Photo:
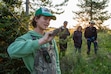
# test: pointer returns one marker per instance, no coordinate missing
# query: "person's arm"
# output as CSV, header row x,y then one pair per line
x,y
68,33
74,35
22,47
85,33
95,33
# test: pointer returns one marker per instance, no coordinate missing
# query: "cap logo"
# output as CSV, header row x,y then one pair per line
x,y
45,10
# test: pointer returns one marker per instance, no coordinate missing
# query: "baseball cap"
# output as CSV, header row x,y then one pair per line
x,y
65,22
44,12
91,22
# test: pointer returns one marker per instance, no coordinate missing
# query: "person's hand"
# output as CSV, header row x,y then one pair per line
x,y
46,38
95,41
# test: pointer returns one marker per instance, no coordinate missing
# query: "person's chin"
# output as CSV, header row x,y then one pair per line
x,y
45,28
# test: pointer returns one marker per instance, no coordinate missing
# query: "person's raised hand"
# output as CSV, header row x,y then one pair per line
x,y
46,38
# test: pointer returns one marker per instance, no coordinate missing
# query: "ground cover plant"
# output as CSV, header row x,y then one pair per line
x,y
74,63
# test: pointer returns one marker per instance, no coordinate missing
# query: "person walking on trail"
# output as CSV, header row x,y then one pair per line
x,y
91,37
37,48
63,38
77,39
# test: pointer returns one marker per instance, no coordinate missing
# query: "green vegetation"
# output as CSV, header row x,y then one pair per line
x,y
74,63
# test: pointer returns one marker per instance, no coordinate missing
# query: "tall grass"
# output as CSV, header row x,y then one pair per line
x,y
75,63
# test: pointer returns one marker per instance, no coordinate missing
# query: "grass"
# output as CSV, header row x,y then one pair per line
x,y
74,63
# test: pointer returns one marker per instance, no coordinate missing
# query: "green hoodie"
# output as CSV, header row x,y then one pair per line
x,y
24,47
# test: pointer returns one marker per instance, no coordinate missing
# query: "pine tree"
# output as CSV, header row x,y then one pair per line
x,y
92,10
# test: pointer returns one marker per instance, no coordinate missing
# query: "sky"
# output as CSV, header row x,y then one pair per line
x,y
68,15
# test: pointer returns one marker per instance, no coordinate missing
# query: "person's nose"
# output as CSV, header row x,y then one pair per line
x,y
48,21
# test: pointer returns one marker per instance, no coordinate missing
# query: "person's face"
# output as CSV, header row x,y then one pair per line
x,y
79,29
65,24
91,25
43,22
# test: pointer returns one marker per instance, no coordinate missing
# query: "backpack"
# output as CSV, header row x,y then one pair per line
x,y
45,60
64,33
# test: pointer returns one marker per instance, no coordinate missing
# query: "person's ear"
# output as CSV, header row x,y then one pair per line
x,y
35,18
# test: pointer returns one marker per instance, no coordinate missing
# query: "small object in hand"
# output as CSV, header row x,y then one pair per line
x,y
55,32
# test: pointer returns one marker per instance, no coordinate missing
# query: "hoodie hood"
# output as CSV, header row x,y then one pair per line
x,y
33,33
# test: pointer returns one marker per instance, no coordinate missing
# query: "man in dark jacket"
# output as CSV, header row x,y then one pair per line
x,y
91,36
63,38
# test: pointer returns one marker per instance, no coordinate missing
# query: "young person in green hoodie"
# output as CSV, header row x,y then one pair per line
x,y
37,48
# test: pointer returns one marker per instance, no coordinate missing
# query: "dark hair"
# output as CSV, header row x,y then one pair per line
x,y
65,22
79,27
34,23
